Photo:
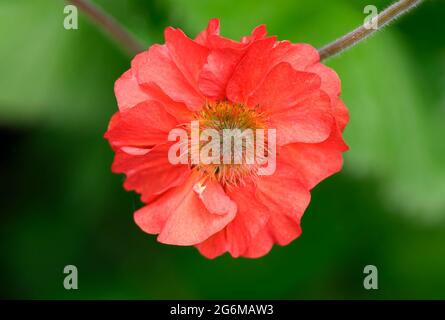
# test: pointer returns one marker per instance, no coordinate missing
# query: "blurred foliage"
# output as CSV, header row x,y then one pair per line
x,y
61,205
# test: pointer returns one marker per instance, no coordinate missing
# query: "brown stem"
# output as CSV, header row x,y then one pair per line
x,y
386,16
110,26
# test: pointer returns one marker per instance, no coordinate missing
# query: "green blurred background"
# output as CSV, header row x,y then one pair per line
x,y
60,203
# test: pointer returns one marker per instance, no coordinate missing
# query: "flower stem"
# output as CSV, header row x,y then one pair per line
x,y
388,15
110,26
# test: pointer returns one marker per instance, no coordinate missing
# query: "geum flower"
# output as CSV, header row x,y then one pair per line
x,y
277,84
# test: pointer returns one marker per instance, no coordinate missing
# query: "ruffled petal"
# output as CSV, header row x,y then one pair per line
x,y
180,216
310,121
188,56
330,82
146,124
260,32
262,56
267,214
251,217
287,199
283,88
128,92
177,109
149,173
316,162
211,30
250,71
224,56
280,229
341,114
217,72
283,191
157,66
299,55
213,40
214,198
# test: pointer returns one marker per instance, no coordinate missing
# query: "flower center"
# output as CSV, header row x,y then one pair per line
x,y
232,141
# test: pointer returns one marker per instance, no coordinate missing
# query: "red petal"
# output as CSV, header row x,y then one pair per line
x,y
180,217
217,72
276,227
156,66
283,191
298,55
128,92
215,199
177,109
151,173
214,246
144,125
250,71
262,56
259,32
330,82
215,41
188,55
310,121
316,162
222,60
287,199
283,88
341,114
238,234
212,29
269,215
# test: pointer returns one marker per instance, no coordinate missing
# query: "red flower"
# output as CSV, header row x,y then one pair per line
x,y
256,83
